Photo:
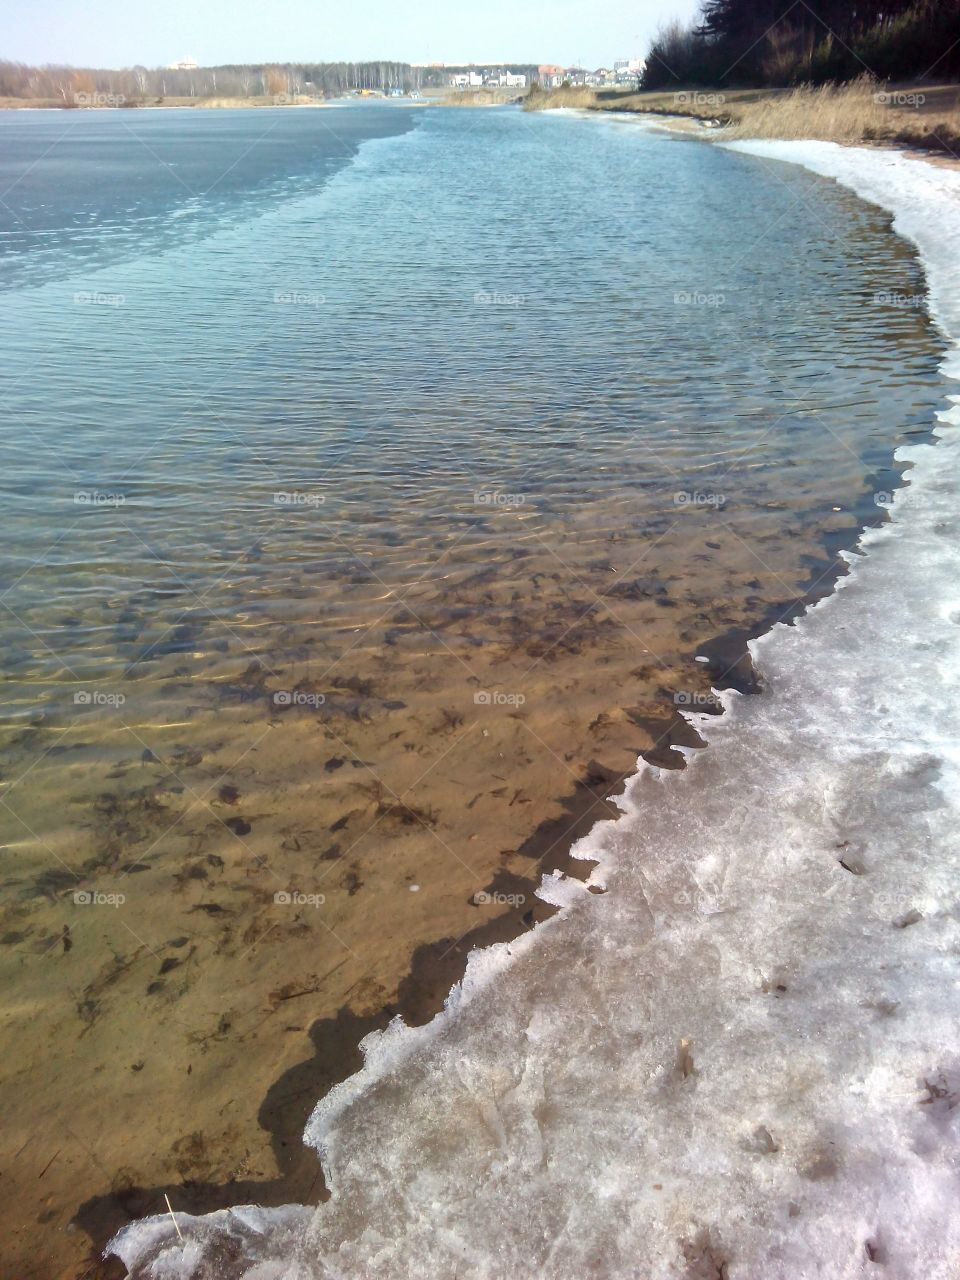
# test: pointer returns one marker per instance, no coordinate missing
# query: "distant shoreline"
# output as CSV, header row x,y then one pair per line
x,y
194,104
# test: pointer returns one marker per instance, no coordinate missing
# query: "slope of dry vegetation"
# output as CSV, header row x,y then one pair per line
x,y
863,110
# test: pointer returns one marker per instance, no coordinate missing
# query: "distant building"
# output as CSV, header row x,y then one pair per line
x,y
505,80
550,76
187,64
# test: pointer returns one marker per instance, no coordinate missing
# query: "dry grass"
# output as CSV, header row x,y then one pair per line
x,y
551,99
13,104
861,111
479,98
837,113
269,100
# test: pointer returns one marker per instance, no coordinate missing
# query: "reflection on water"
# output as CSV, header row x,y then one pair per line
x,y
357,547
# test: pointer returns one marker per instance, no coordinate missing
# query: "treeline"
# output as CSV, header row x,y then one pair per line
x,y
143,84
781,42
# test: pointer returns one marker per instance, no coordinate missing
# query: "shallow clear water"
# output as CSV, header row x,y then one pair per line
x,y
308,460
473,335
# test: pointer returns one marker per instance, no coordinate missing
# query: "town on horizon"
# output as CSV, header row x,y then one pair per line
x,y
624,71
505,75
298,82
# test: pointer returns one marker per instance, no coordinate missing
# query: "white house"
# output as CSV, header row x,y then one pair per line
x,y
506,80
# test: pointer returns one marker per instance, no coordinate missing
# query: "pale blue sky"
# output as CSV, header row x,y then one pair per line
x,y
113,33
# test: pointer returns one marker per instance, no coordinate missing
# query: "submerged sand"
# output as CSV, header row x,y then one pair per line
x,y
410,789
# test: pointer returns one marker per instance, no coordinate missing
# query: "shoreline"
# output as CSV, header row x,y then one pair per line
x,y
858,113
485,968
206,104
429,981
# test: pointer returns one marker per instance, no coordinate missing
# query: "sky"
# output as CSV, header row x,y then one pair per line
x,y
118,33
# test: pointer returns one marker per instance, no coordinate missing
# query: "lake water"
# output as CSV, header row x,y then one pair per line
x,y
373,478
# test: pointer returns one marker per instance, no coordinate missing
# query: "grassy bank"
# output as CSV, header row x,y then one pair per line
x,y
862,111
